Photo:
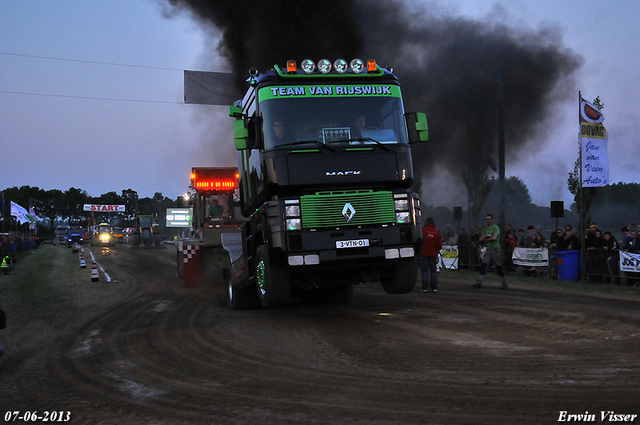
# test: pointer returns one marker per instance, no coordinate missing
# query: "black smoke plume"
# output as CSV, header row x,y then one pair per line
x,y
448,66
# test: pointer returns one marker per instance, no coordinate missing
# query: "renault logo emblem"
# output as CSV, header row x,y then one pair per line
x,y
348,211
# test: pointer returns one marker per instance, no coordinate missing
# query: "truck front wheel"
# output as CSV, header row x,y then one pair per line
x,y
273,282
400,279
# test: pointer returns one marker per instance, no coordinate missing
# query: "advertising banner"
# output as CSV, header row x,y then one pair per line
x,y
629,262
593,146
449,255
531,257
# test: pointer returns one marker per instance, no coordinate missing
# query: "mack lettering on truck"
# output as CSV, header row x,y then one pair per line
x,y
344,173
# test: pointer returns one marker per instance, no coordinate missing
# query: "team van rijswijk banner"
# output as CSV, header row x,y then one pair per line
x,y
593,146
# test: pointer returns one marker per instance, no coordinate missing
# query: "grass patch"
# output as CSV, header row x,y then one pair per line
x,y
29,291
533,282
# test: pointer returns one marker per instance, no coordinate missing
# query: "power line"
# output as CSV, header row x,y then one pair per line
x,y
91,62
90,97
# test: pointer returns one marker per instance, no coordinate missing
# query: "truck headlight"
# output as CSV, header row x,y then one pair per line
x,y
105,237
292,210
403,217
401,204
294,224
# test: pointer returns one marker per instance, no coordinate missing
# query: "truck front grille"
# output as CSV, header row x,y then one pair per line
x,y
325,209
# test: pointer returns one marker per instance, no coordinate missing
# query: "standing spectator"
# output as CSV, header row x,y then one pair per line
x,y
625,231
510,243
530,239
595,254
589,240
431,244
557,235
493,254
568,242
521,238
450,237
611,250
631,243
542,242
8,264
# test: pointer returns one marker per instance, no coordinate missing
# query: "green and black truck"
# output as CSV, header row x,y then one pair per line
x,y
325,170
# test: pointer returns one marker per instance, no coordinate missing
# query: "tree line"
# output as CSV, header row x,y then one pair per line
x,y
55,206
611,207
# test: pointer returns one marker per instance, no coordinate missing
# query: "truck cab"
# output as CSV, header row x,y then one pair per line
x,y
325,179
60,236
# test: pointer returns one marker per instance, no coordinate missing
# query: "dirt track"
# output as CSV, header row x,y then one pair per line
x,y
145,350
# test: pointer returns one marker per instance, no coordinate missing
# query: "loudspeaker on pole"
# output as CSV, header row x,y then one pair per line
x,y
457,213
557,209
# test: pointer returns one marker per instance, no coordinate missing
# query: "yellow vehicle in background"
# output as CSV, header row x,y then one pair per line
x,y
146,232
118,235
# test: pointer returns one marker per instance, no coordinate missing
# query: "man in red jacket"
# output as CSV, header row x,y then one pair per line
x,y
431,244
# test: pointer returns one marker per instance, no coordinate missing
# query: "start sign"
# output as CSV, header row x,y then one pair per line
x,y
104,208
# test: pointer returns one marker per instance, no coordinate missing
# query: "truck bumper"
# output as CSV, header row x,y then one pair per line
x,y
379,246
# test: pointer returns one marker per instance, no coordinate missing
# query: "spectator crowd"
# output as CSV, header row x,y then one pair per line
x,y
602,249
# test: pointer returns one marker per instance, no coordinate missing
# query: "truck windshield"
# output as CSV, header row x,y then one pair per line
x,y
333,120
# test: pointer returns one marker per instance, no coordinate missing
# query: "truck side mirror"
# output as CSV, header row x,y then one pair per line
x,y
417,127
240,134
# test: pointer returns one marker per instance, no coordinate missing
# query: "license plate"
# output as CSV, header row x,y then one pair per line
x,y
354,243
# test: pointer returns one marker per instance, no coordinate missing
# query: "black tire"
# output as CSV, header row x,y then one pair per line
x,y
400,279
273,283
135,240
343,294
241,298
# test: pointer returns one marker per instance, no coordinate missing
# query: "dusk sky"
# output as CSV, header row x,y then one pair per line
x,y
91,95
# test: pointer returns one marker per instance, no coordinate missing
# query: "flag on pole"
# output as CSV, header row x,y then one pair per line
x,y
19,213
593,146
33,218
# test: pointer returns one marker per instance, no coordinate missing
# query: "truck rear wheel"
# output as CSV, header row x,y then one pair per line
x,y
273,283
400,279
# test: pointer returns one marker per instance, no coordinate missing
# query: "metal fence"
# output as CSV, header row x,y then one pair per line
x,y
600,265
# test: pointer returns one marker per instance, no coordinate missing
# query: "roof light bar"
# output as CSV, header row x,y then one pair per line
x,y
341,66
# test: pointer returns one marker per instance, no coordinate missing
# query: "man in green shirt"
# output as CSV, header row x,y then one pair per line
x,y
491,236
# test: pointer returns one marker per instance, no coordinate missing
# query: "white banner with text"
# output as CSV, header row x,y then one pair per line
x,y
531,257
629,262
